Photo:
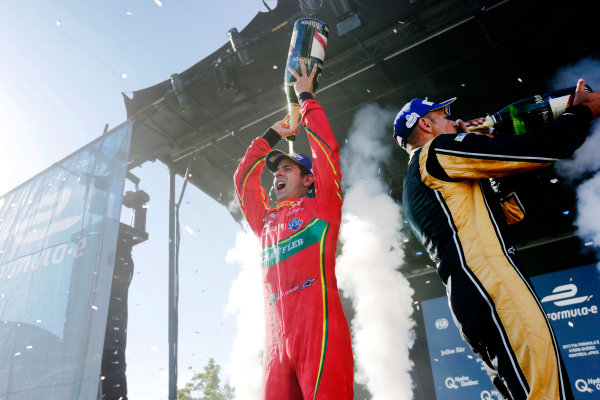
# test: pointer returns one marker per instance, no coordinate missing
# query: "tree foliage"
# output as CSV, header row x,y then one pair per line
x,y
206,385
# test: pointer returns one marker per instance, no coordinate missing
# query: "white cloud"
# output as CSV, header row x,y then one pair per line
x,y
246,303
585,159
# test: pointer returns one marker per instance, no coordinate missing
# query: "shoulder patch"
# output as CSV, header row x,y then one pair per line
x,y
461,136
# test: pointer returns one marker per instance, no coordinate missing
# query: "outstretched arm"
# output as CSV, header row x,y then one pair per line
x,y
473,156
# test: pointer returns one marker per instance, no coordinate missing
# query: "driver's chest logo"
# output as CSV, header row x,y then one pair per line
x,y
294,224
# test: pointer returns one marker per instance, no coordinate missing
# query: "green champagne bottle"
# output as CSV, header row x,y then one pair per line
x,y
529,114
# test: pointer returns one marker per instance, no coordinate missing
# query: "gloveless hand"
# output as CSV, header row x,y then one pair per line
x,y
591,100
283,127
304,82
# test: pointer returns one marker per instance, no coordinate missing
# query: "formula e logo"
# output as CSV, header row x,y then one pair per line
x,y
294,224
564,295
441,323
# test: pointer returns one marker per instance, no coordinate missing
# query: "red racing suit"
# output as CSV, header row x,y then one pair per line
x,y
308,351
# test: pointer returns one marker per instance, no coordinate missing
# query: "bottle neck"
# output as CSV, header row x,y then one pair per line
x,y
489,122
496,119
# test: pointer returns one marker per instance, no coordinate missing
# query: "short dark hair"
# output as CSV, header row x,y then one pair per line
x,y
413,136
303,171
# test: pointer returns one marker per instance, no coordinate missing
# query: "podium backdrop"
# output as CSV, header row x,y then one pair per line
x,y
571,299
58,237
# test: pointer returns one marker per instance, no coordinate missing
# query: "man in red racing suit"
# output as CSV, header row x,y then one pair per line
x,y
308,351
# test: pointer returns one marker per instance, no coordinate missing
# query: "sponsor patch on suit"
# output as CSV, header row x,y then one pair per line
x,y
294,224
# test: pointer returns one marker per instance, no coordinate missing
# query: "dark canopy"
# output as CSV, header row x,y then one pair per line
x,y
488,52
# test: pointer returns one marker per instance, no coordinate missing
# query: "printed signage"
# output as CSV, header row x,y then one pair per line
x,y
571,299
58,238
458,374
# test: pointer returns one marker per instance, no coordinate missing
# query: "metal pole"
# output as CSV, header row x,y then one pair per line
x,y
173,291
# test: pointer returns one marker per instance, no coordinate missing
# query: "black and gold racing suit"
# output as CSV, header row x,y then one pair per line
x,y
456,215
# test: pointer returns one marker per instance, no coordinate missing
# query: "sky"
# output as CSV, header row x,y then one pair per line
x,y
64,65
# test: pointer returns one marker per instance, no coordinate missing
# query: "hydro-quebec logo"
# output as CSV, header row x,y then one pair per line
x,y
489,395
590,385
566,295
457,382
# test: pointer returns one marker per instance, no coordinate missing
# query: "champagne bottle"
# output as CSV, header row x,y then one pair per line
x,y
529,114
307,45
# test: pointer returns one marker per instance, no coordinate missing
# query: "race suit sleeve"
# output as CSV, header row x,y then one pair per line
x,y
253,198
325,154
454,157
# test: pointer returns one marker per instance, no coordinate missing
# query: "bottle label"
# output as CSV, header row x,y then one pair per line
x,y
559,105
308,45
319,46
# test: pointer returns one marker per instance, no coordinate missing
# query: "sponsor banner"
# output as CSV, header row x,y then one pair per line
x,y
58,237
571,299
458,374
309,235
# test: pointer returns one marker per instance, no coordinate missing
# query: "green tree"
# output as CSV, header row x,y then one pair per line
x,y
206,385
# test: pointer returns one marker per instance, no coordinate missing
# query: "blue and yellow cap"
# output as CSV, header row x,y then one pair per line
x,y
411,112
276,155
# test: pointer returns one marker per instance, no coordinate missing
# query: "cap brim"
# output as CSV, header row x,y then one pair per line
x,y
275,156
444,104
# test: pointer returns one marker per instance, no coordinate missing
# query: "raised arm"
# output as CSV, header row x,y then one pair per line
x,y
253,198
472,156
325,154
324,146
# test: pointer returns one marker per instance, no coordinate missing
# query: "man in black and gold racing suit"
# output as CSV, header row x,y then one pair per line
x,y
452,210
